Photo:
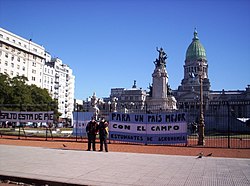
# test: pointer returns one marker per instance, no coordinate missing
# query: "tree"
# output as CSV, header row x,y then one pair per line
x,y
5,89
16,94
20,91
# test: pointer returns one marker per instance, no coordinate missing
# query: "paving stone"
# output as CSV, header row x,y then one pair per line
x,y
113,168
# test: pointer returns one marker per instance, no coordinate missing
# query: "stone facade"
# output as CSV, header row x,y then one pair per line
x,y
188,93
221,108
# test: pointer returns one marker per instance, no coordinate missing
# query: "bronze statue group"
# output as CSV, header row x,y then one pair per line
x,y
93,128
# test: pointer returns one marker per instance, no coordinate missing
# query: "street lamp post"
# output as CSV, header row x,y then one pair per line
x,y
201,139
109,108
76,119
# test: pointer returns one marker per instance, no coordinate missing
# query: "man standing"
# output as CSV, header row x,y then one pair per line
x,y
91,130
103,133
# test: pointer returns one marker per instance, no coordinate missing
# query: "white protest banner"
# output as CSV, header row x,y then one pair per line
x,y
167,128
80,121
21,116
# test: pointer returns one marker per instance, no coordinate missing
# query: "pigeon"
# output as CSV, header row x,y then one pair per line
x,y
210,154
64,145
200,155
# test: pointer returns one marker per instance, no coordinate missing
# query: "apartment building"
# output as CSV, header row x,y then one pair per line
x,y
22,57
19,56
64,82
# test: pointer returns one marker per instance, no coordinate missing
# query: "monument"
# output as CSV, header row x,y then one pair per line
x,y
160,97
94,108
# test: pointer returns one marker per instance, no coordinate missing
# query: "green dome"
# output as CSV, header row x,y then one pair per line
x,y
195,49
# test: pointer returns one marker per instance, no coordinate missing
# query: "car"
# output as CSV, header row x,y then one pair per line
x,y
43,124
59,125
32,124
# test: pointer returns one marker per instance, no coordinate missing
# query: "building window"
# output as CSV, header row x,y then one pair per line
x,y
23,68
18,66
33,78
11,73
6,63
6,55
18,59
12,65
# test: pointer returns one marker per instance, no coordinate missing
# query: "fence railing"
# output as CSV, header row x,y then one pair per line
x,y
227,125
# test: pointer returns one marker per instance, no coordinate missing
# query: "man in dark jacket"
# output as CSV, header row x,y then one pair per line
x,y
91,129
103,133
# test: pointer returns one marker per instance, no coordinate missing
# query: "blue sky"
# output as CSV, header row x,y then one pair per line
x,y
111,43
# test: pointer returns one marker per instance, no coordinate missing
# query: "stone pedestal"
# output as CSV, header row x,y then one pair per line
x,y
155,105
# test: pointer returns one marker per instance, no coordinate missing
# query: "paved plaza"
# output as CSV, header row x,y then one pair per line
x,y
66,167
